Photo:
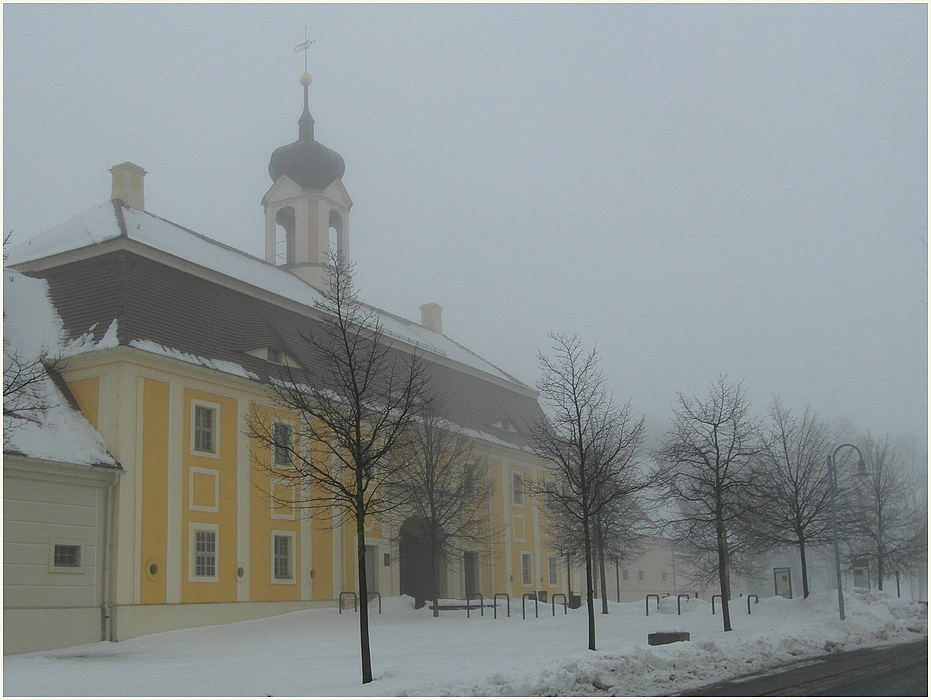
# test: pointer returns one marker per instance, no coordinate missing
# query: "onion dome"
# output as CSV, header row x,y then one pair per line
x,y
309,163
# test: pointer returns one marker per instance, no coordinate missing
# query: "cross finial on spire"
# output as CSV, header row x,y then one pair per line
x,y
306,122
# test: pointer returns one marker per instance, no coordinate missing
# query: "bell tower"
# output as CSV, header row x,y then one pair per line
x,y
307,207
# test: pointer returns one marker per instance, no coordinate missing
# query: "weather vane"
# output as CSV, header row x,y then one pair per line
x,y
303,46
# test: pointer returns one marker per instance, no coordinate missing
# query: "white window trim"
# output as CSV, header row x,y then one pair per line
x,y
66,569
203,527
216,489
514,519
523,488
552,566
292,556
524,583
215,453
290,424
273,504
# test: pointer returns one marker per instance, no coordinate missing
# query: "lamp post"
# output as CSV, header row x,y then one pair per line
x,y
832,475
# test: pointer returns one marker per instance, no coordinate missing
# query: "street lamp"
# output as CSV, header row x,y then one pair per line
x,y
832,475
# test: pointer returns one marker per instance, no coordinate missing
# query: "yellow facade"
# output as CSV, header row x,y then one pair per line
x,y
146,408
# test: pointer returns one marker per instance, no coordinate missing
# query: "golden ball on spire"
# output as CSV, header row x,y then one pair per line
x,y
306,79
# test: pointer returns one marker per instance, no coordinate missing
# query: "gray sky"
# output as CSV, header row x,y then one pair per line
x,y
695,189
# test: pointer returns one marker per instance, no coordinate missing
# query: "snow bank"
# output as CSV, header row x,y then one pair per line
x,y
315,652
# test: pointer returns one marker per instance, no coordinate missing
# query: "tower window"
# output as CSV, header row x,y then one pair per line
x,y
335,235
284,240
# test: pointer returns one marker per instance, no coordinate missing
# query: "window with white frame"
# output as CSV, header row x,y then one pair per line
x,y
282,443
204,428
282,557
526,569
468,480
553,566
517,488
204,549
66,555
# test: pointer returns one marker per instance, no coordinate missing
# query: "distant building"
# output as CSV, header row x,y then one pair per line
x,y
168,339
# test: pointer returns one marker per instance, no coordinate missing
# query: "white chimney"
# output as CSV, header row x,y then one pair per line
x,y
127,185
431,316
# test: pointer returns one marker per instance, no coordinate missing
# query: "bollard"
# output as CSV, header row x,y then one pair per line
x,y
355,601
651,595
536,605
679,601
507,598
716,595
481,603
565,604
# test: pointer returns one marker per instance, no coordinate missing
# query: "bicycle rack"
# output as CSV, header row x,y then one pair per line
x,y
498,595
679,601
716,595
481,604
565,603
647,601
376,593
755,600
355,601
536,604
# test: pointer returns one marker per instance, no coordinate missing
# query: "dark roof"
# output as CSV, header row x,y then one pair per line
x,y
181,311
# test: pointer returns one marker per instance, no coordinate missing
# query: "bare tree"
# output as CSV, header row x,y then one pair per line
x,y
590,444
27,389
887,509
792,477
357,413
447,493
705,464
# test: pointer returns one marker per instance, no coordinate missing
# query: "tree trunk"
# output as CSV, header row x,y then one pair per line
x,y
569,572
723,577
589,590
880,568
801,553
604,579
434,578
363,597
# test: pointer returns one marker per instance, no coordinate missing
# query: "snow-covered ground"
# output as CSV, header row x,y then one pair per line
x,y
316,652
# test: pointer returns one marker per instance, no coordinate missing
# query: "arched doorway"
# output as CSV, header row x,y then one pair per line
x,y
414,554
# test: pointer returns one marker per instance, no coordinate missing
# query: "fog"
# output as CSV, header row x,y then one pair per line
x,y
692,189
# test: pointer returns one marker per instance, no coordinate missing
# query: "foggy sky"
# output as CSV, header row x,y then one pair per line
x,y
693,189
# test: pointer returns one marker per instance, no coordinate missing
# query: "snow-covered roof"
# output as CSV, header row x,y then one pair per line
x,y
109,221
31,330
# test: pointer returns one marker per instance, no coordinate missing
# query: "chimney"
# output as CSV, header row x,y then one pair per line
x,y
431,316
127,185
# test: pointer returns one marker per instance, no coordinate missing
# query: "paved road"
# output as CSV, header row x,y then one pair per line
x,y
898,670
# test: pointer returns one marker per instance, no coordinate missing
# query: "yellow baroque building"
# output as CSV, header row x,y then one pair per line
x,y
169,340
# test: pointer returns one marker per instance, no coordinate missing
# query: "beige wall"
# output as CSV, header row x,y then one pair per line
x,y
47,503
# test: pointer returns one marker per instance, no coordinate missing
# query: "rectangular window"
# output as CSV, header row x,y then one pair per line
x,y
640,575
553,561
526,569
67,555
517,483
468,480
283,447
282,545
664,577
205,553
624,574
205,419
